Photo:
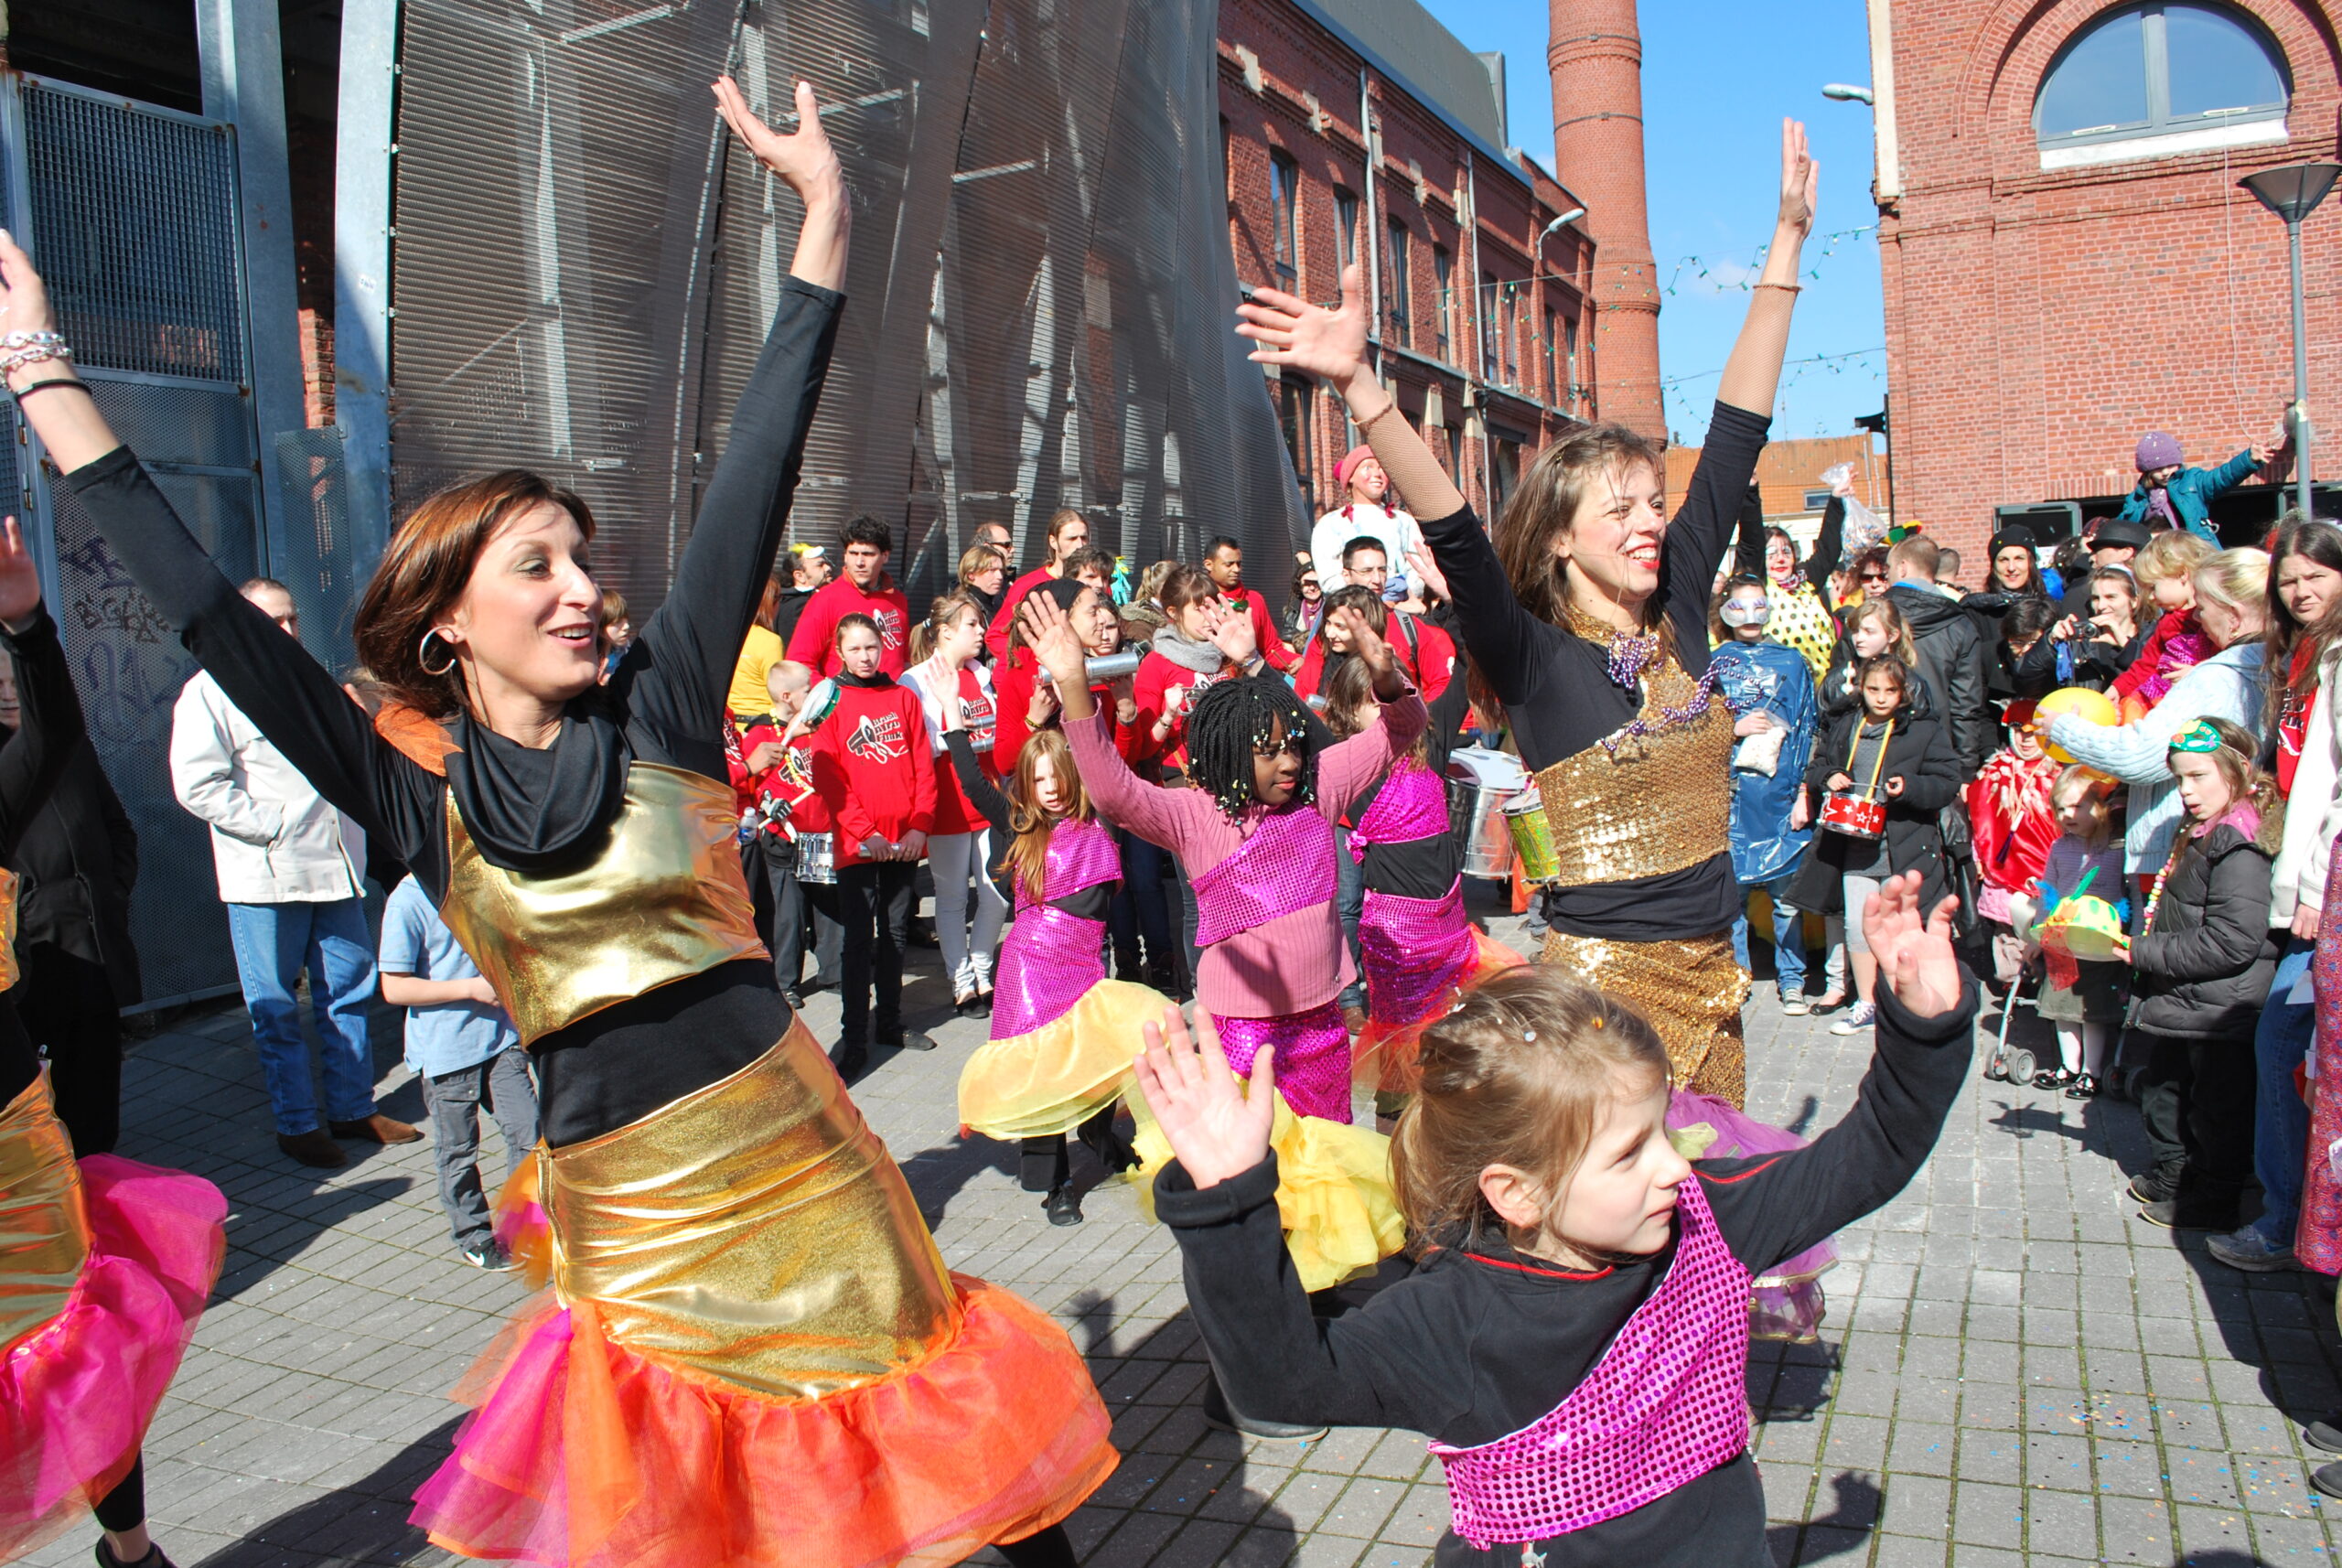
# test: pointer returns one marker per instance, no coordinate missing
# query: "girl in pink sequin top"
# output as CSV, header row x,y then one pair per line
x,y
1575,1339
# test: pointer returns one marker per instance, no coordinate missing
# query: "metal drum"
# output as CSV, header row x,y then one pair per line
x,y
1533,837
1480,783
816,860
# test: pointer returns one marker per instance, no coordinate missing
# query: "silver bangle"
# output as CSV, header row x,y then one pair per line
x,y
18,349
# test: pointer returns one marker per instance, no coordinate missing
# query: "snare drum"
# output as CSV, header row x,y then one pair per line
x,y
1855,816
1533,837
816,860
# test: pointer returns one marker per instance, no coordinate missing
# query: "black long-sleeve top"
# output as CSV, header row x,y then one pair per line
x,y
1427,867
48,733
1748,554
1089,903
1478,1344
1556,687
666,698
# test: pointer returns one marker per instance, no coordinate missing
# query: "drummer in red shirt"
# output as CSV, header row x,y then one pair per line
x,y
784,788
1067,533
1224,559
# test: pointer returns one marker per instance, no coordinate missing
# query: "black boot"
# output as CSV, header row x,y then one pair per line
x,y
1062,1207
1127,964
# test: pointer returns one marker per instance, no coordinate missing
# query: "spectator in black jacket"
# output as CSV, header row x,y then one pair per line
x,y
77,862
1951,654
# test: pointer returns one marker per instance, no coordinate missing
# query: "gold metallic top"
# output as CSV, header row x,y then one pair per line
x,y
754,1230
9,886
663,900
1659,803
43,1223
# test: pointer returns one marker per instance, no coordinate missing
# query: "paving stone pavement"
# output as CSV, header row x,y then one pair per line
x,y
2014,1367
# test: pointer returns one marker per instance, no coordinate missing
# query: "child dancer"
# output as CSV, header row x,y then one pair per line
x,y
2082,1000
1419,951
1574,1340
2204,965
2013,825
1060,1053
1256,836
2166,570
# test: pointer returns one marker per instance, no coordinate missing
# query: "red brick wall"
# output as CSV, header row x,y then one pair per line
x,y
2038,322
1298,61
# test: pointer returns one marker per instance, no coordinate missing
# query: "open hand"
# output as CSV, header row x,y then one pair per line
x,y
1367,643
1292,331
1050,631
1215,1127
1801,181
1424,570
19,578
1914,952
804,160
1234,636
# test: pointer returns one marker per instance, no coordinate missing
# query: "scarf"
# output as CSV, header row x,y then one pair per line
x,y
1196,658
529,812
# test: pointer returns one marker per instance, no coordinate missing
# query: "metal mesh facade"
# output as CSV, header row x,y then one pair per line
x,y
1040,287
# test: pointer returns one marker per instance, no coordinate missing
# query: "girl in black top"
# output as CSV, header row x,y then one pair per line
x,y
1592,628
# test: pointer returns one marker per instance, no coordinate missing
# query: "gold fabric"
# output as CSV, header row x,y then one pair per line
x,y
9,885
1690,992
662,901
755,1230
44,1221
1660,803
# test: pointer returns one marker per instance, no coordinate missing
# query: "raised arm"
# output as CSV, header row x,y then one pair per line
x,y
1344,771
1331,345
689,646
983,793
49,727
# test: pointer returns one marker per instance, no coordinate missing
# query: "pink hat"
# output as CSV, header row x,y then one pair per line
x,y
1350,460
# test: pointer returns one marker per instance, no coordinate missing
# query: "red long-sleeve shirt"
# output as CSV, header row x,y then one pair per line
x,y
876,739
814,642
803,778
1428,656
1156,677
1012,684
996,634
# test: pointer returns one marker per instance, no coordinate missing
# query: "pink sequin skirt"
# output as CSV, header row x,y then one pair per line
x,y
1312,1061
1420,955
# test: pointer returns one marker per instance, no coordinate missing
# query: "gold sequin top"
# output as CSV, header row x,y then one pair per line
x,y
663,900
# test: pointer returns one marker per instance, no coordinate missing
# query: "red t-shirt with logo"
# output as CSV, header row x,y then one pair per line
x,y
877,740
814,642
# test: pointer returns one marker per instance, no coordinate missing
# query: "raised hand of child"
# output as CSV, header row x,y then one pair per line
x,y
1215,1127
1914,952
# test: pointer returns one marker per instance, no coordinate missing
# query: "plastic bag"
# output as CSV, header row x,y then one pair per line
x,y
1864,528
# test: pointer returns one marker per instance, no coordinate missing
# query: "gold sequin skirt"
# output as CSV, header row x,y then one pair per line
x,y
1691,993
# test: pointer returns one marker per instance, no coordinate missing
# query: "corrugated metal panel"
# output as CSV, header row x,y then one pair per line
x,y
1040,285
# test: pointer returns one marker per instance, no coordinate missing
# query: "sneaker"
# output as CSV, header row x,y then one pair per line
x,y
1860,1016
489,1255
1793,1006
2157,1185
2250,1251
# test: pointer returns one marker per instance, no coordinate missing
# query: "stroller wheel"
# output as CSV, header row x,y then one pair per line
x,y
2125,1083
2021,1066
1996,1069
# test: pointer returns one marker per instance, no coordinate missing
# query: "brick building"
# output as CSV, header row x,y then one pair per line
x,y
2069,260
1481,317
1788,477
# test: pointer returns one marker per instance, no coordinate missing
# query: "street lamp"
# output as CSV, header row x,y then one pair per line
x,y
1572,216
1847,92
2292,193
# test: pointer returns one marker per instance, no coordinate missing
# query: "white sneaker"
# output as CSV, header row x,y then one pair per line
x,y
1860,1016
1793,1006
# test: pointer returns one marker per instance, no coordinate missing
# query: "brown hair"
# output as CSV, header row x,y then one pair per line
x,y
1918,552
976,558
1351,706
1887,664
1545,507
1183,586
613,608
1057,520
854,623
1898,630
426,570
1027,856
940,615
1515,1075
770,601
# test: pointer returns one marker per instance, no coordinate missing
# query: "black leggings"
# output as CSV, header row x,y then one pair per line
x,y
1049,1549
1052,1152
124,1508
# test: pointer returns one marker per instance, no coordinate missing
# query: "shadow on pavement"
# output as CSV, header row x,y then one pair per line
x,y
363,1522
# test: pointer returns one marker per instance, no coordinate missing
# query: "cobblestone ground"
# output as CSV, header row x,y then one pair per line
x,y
2013,1367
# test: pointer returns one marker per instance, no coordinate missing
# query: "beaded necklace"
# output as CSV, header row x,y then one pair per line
x,y
1628,657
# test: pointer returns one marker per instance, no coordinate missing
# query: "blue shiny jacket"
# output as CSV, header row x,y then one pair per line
x,y
2192,490
1767,675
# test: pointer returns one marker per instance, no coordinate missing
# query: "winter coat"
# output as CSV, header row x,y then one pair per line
x,y
2314,810
1919,753
275,839
77,864
2205,965
1770,678
2192,490
1951,656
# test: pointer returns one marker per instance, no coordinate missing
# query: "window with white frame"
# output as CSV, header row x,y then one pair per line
x,y
2160,78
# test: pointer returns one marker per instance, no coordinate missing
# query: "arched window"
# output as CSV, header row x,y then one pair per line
x,y
2198,74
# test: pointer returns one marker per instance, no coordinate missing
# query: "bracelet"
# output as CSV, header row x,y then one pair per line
x,y
1785,287
20,393
18,349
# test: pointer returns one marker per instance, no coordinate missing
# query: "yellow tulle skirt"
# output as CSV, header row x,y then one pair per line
x,y
1334,1197
1052,1079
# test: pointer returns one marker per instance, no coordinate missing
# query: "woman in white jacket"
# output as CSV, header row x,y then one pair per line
x,y
2302,655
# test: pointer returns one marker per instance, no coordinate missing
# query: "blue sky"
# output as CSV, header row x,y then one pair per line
x,y
1716,80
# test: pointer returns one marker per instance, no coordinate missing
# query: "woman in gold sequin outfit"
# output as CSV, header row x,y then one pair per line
x,y
1588,615
752,1351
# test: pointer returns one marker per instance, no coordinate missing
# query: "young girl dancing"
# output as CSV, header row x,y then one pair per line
x,y
738,1267
104,1263
1256,836
1060,1053
1575,1340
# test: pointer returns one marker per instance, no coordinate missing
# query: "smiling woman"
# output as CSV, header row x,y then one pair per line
x,y
766,1289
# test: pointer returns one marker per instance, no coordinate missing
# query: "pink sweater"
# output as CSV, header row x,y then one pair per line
x,y
1295,962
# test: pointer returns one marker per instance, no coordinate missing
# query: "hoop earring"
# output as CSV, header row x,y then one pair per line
x,y
423,655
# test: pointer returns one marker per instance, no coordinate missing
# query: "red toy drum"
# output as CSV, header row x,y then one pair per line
x,y
1855,816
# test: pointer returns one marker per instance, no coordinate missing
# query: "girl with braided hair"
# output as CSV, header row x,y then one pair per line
x,y
1256,836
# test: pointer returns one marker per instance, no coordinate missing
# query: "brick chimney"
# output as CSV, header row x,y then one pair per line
x,y
1596,58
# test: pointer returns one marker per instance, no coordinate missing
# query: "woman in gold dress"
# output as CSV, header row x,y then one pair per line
x,y
752,1352
1589,616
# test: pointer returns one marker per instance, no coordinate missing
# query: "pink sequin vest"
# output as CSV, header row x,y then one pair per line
x,y
1665,1403
1050,957
1286,865
1415,953
1411,805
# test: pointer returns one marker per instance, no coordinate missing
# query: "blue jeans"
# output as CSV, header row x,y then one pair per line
x,y
274,942
1788,933
1350,904
2280,1120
